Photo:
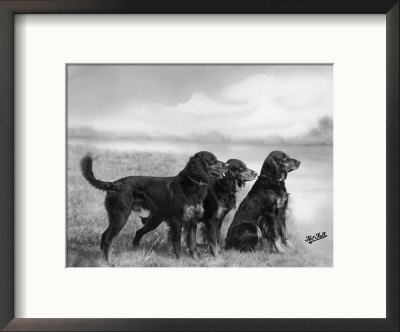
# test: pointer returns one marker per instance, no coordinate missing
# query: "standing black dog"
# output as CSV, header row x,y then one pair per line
x,y
262,214
221,199
178,200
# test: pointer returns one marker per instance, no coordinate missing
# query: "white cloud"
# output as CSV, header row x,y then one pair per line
x,y
257,107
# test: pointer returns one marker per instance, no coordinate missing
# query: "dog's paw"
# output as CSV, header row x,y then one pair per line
x,y
194,255
214,251
278,247
289,244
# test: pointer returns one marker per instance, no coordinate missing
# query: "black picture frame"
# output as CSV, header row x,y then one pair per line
x,y
8,8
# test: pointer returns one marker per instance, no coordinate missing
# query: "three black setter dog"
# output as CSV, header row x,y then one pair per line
x,y
203,192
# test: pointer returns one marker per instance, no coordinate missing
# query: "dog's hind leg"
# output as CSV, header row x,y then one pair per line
x,y
118,209
247,237
152,222
260,238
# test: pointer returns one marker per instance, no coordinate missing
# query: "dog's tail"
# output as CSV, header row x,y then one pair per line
x,y
87,172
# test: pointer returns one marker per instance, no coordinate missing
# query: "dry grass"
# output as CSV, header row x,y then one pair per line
x,y
87,220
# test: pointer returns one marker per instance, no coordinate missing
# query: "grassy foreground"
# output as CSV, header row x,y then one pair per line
x,y
87,219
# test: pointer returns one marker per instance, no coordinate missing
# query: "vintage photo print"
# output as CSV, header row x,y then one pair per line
x,y
199,165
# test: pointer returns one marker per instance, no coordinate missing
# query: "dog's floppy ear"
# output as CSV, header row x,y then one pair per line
x,y
271,167
195,168
229,181
195,165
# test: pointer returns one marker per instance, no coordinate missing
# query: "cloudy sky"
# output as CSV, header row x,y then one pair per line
x,y
234,101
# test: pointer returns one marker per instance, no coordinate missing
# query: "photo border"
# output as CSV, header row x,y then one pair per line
x,y
9,8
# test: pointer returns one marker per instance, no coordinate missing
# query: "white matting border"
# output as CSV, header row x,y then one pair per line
x,y
355,287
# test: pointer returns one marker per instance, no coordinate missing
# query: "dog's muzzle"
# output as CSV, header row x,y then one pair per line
x,y
294,164
248,175
219,169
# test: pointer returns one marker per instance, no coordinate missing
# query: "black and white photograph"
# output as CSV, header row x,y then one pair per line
x,y
199,165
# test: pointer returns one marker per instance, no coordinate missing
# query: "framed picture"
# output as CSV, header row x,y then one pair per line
x,y
199,172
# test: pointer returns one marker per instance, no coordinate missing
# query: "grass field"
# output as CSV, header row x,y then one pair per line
x,y
87,220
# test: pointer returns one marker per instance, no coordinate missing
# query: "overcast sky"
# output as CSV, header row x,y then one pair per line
x,y
236,101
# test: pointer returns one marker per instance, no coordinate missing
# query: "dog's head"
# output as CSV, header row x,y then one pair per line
x,y
277,165
204,166
240,172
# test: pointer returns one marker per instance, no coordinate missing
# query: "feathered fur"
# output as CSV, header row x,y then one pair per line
x,y
168,199
221,199
264,207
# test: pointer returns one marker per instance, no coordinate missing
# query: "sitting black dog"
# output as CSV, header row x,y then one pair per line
x,y
262,214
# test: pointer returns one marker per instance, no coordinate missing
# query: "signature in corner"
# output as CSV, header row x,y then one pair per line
x,y
318,236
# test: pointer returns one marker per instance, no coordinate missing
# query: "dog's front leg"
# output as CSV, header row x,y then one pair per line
x,y
213,237
219,226
277,237
192,227
284,236
271,229
175,227
278,246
